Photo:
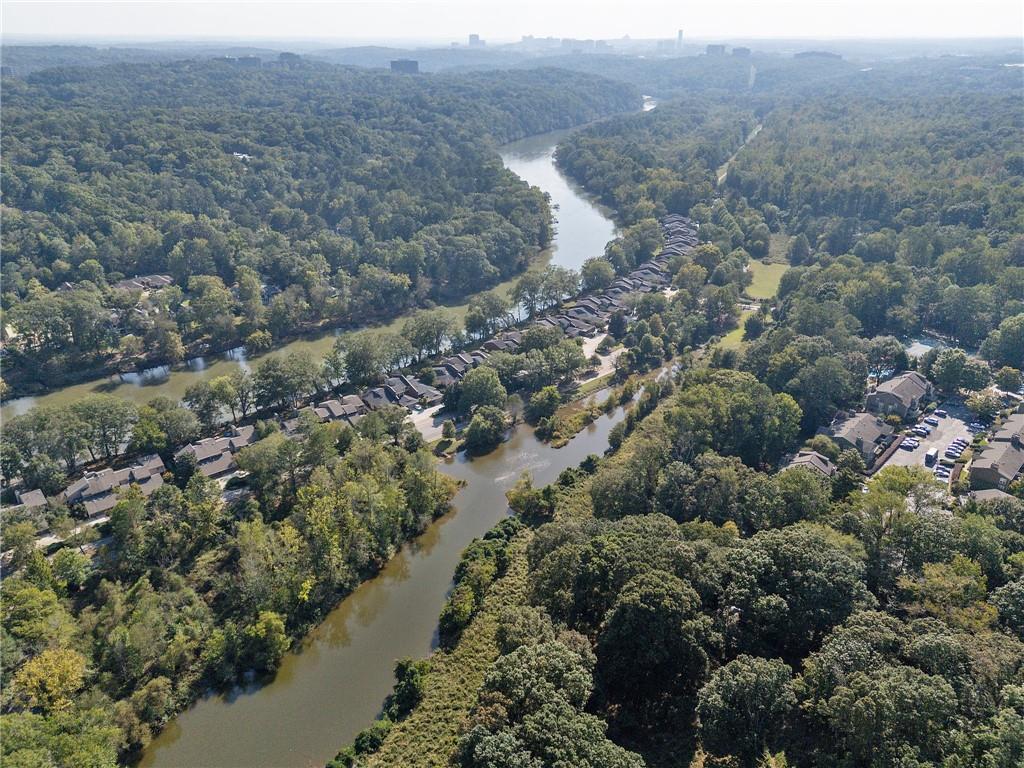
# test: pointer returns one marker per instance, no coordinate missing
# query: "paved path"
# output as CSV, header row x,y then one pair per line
x,y
429,423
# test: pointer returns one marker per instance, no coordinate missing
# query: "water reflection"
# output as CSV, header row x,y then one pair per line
x,y
333,685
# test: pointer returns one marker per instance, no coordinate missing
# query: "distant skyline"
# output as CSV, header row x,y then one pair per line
x,y
443,21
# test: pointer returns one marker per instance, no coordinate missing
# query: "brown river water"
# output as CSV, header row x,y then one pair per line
x,y
333,683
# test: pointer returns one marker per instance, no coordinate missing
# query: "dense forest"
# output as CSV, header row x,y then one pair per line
x,y
689,600
708,607
658,162
276,199
685,599
190,592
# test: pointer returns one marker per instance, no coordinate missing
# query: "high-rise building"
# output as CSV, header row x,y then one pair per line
x,y
679,40
715,49
475,41
405,66
740,50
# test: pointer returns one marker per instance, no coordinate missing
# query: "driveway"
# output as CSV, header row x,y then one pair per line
x,y
951,427
607,361
428,422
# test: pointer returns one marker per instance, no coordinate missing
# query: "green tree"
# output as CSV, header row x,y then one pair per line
x,y
205,402
50,680
485,429
1004,344
745,706
787,588
654,644
482,387
1008,379
596,274
799,250
983,405
267,640
543,403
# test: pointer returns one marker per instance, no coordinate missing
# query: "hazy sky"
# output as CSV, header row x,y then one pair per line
x,y
508,19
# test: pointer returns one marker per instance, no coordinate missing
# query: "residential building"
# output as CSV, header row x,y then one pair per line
x,y
863,432
903,394
144,283
405,66
96,492
990,494
31,499
215,456
1002,461
815,462
349,408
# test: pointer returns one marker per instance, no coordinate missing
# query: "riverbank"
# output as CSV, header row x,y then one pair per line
x,y
583,227
332,684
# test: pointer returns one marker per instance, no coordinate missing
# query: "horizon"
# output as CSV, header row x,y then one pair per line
x,y
439,22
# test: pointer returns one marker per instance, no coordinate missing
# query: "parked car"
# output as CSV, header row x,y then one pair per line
x,y
932,420
941,412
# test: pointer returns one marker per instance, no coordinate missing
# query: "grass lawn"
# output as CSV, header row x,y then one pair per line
x,y
734,338
427,738
766,279
778,248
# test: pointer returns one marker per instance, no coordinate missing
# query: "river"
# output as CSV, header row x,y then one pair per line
x,y
582,229
332,685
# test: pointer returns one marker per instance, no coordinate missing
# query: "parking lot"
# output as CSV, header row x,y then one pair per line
x,y
954,425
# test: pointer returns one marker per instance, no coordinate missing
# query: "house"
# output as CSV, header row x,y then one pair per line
x,y
31,499
815,462
585,315
349,408
990,494
1011,430
902,395
376,398
863,432
96,492
216,455
500,345
444,376
419,391
1002,461
144,283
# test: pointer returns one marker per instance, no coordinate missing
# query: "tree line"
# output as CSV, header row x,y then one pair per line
x,y
272,212
191,592
711,609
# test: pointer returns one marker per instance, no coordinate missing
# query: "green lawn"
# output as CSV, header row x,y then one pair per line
x,y
766,279
778,248
734,338
429,736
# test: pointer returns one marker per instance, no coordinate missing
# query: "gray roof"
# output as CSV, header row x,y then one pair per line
x,y
866,427
991,494
96,491
31,499
1003,458
814,461
1012,428
907,387
215,455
